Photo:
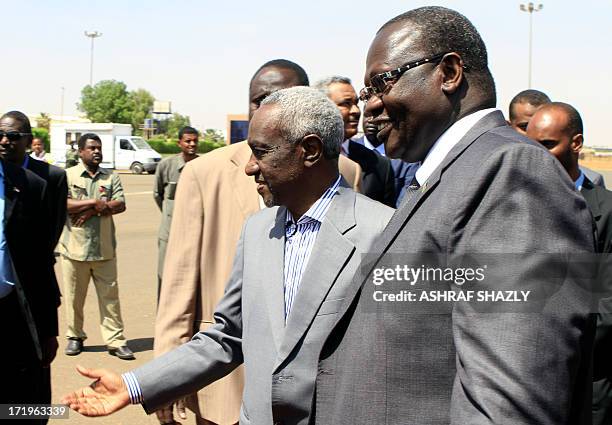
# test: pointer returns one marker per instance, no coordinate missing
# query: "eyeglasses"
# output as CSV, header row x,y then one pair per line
x,y
13,136
382,83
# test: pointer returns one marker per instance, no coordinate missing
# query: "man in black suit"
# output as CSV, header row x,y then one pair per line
x,y
558,127
377,177
523,106
482,191
28,296
55,177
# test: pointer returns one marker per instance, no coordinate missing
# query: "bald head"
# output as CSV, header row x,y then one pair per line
x,y
558,127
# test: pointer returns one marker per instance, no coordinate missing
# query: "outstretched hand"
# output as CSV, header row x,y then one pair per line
x,y
104,396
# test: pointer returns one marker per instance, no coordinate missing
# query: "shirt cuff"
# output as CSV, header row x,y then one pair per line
x,y
133,388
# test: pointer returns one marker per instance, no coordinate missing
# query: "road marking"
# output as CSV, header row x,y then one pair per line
x,y
139,193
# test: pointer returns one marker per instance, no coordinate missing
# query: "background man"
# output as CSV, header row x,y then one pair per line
x,y
521,109
482,188
38,151
88,248
377,175
72,156
166,179
212,202
28,294
292,265
558,127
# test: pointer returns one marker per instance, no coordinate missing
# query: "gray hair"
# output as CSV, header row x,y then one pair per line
x,y
323,84
304,111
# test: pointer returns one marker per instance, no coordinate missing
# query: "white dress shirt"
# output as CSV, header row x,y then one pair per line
x,y
446,142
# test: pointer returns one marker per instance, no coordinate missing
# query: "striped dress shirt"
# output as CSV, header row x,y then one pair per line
x,y
300,237
299,240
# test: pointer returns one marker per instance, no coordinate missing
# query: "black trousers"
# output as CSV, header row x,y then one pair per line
x,y
24,380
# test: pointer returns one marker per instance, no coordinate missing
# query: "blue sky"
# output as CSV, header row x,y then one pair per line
x,y
201,54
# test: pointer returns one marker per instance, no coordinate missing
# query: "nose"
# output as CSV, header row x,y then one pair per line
x,y
374,104
355,111
252,168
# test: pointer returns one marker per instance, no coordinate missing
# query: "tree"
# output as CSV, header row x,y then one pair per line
x,y
214,136
44,121
107,101
142,104
172,125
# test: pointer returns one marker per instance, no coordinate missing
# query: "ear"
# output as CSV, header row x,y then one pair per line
x,y
451,67
576,145
312,146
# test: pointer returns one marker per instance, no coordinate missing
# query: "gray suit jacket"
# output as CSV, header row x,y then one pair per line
x,y
496,192
280,360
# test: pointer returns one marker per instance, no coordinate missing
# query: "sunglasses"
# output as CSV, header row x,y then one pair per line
x,y
13,136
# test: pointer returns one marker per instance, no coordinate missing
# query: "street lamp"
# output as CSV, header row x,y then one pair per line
x,y
93,35
530,8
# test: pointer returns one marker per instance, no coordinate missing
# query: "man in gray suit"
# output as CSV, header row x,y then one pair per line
x,y
482,189
292,266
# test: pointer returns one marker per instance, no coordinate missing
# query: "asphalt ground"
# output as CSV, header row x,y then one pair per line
x,y
137,274
137,261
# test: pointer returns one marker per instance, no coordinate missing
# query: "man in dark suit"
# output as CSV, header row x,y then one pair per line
x,y
482,189
558,127
55,177
377,175
523,106
28,297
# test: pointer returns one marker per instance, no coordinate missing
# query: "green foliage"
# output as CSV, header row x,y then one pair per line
x,y
107,101
212,135
42,134
142,104
173,125
44,121
170,145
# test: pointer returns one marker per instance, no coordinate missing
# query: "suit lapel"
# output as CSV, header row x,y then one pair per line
x,y
11,194
329,256
244,191
273,276
590,196
411,205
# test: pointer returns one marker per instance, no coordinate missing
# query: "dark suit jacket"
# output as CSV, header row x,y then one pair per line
x,y
378,180
599,201
496,192
25,215
57,195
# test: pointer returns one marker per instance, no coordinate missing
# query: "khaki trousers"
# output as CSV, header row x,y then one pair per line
x,y
77,275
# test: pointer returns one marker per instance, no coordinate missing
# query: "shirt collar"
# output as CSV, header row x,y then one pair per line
x,y
318,210
446,142
1,170
345,146
84,173
579,181
26,161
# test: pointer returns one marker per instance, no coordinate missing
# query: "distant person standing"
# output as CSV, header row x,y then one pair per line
x,y
88,248
72,156
523,106
166,179
38,151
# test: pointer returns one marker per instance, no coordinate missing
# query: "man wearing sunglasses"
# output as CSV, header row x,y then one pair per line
x,y
481,189
28,292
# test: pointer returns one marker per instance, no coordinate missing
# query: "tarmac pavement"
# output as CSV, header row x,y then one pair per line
x,y
137,262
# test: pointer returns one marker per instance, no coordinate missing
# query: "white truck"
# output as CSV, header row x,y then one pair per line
x,y
120,150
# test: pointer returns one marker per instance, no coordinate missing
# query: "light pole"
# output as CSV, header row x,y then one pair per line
x,y
530,8
62,105
93,35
